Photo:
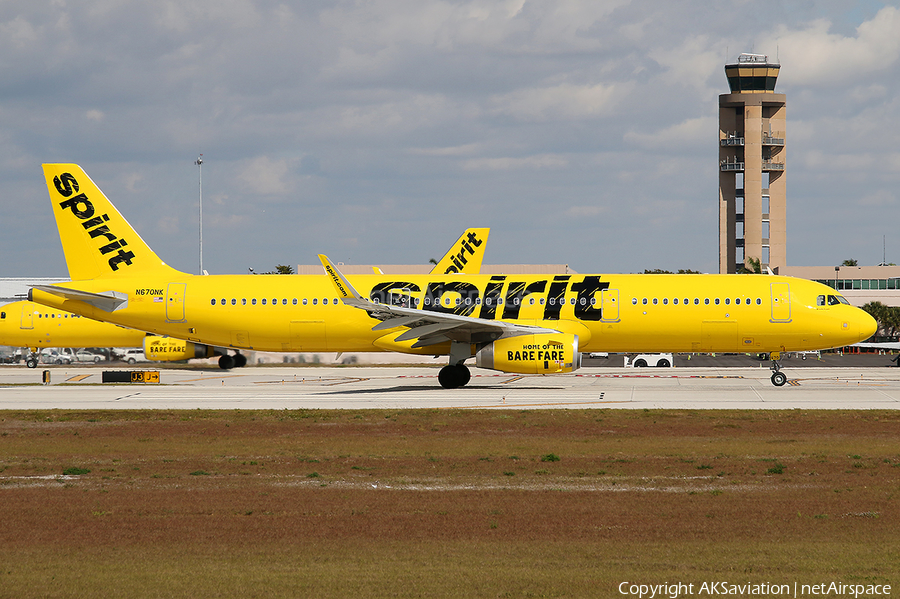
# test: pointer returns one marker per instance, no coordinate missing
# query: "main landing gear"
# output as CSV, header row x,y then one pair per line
x,y
778,377
227,362
456,374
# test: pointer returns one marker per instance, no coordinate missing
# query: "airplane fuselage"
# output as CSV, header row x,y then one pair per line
x,y
621,313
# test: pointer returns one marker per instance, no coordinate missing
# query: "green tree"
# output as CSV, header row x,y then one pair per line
x,y
755,267
281,269
850,262
888,318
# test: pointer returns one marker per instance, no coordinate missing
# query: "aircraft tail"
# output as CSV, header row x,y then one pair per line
x,y
465,255
97,240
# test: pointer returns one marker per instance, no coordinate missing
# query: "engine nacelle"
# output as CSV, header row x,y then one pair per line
x,y
169,349
544,353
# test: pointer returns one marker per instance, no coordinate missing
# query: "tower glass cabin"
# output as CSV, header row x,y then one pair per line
x,y
752,218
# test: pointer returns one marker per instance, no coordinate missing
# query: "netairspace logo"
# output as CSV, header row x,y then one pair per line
x,y
764,589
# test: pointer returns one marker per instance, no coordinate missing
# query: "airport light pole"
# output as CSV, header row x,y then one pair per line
x,y
199,163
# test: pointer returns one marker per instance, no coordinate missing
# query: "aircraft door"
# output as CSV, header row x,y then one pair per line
x,y
27,318
781,302
175,302
609,305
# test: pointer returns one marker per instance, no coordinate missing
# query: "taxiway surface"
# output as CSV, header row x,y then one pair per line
x,y
417,387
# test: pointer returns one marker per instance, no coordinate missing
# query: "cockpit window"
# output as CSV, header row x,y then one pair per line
x,y
820,300
2,315
834,300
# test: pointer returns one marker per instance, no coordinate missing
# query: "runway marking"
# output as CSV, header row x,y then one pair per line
x,y
209,378
533,405
77,377
323,382
512,380
661,376
794,382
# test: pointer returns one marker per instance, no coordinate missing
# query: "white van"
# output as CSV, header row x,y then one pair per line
x,y
644,360
134,355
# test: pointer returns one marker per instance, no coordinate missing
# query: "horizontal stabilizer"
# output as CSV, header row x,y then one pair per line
x,y
108,301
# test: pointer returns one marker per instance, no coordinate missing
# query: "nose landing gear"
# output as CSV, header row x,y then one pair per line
x,y
778,377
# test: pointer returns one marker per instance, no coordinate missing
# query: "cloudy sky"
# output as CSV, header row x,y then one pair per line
x,y
582,132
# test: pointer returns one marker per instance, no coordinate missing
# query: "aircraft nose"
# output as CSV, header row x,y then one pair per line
x,y
867,325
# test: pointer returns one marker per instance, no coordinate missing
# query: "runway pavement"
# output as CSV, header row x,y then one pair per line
x,y
417,387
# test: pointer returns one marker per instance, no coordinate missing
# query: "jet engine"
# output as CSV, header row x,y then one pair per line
x,y
169,349
543,353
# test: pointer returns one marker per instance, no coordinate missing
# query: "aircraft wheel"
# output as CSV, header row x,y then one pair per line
x,y
640,364
240,360
463,374
226,362
449,377
31,363
663,363
779,379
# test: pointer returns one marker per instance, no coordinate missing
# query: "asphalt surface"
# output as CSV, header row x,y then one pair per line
x,y
858,382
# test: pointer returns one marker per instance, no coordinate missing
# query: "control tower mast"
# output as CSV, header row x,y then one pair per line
x,y
752,216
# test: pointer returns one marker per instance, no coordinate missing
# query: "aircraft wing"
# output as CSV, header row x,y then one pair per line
x,y
425,326
109,301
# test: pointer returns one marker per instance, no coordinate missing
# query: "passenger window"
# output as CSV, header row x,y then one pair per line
x,y
696,301
233,302
305,301
325,301
315,301
706,301
634,301
717,301
644,301
222,301
274,301
294,301
654,301
244,301
727,301
686,301
263,301
675,301
665,301
334,301
284,302
212,302
253,302
758,301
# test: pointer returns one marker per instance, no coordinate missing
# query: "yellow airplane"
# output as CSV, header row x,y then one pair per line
x,y
510,323
27,324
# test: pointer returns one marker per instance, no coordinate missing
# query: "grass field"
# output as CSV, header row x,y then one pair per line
x,y
432,503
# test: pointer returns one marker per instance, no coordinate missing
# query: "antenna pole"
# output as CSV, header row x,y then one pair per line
x,y
199,163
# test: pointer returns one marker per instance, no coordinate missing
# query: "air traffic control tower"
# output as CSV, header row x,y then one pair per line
x,y
751,167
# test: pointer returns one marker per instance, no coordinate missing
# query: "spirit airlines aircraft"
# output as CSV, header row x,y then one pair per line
x,y
27,324
511,323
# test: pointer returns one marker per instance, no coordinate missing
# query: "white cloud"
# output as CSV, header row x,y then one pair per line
x,y
265,176
812,55
561,102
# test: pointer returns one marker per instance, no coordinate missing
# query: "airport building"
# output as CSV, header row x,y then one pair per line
x,y
752,217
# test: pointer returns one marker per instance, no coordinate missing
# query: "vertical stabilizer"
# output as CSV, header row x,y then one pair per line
x,y
465,255
97,241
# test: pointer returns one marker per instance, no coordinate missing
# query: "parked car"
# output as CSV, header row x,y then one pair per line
x,y
134,355
644,360
82,355
52,356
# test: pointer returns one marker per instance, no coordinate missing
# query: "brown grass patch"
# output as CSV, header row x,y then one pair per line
x,y
442,503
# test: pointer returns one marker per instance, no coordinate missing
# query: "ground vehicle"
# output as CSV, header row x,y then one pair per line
x,y
82,355
133,355
52,356
660,360
598,354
